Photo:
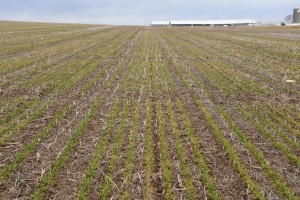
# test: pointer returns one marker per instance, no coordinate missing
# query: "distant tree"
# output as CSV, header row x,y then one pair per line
x,y
288,18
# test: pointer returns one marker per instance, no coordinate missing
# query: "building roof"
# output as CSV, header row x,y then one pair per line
x,y
215,22
160,22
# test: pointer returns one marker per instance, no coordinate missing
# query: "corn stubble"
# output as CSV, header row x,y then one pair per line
x,y
104,112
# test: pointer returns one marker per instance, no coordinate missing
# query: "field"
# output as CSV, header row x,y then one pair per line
x,y
108,112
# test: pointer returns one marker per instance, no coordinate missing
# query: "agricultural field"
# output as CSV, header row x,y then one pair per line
x,y
120,112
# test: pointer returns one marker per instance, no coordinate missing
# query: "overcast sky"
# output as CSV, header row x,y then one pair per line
x,y
141,12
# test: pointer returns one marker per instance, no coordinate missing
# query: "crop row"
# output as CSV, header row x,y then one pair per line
x,y
286,191
217,80
148,113
103,141
59,86
21,156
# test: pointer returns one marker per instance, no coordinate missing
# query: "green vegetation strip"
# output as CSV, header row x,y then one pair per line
x,y
130,153
282,119
22,108
13,119
84,70
227,145
213,65
254,187
9,116
169,78
86,183
280,184
52,41
36,103
16,127
49,176
93,56
6,104
148,77
276,179
47,179
234,64
271,125
167,176
22,155
279,145
5,172
189,187
107,184
217,84
262,119
54,64
39,112
168,85
207,178
149,159
130,150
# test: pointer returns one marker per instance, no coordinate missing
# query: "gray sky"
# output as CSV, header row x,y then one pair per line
x,y
141,12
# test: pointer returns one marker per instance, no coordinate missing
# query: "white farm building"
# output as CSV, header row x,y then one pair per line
x,y
244,22
160,23
212,22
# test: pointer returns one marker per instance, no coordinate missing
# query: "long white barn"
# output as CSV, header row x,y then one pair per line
x,y
212,22
160,23
203,22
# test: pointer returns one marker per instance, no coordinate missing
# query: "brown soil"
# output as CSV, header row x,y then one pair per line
x,y
148,50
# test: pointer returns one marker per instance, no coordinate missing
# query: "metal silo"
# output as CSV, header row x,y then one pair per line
x,y
296,15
